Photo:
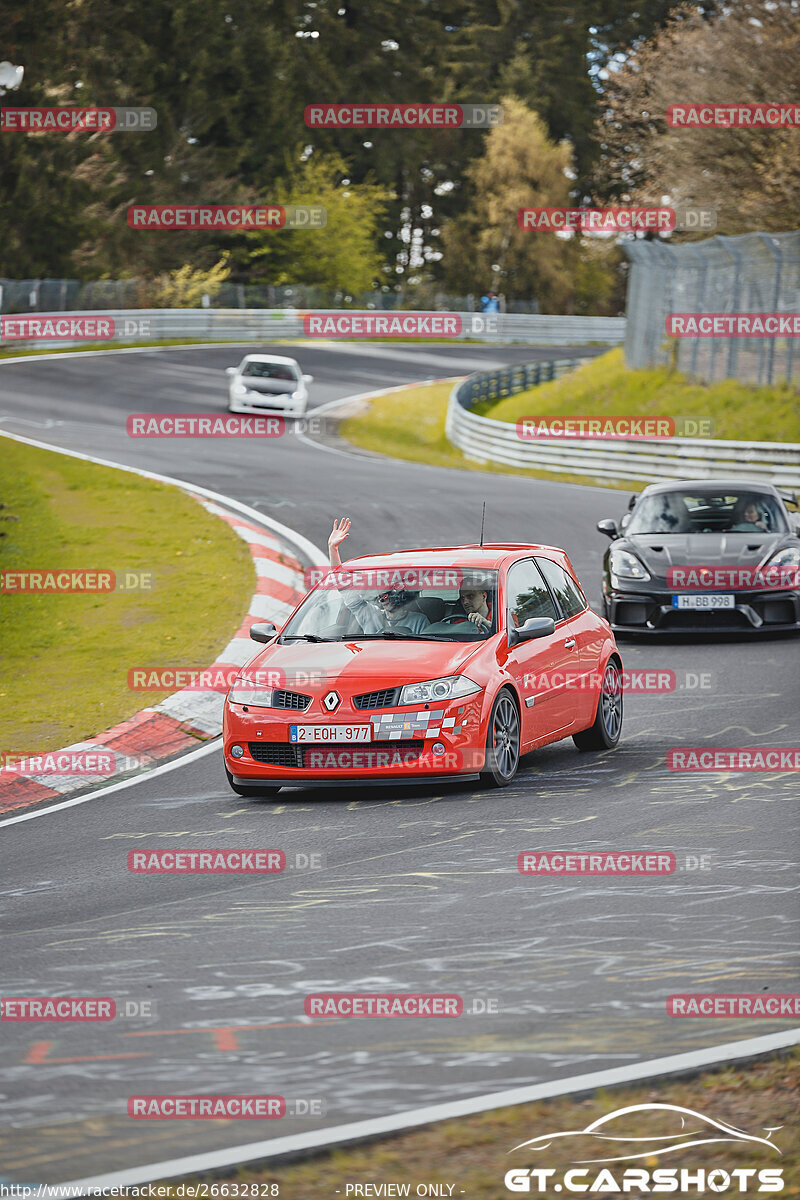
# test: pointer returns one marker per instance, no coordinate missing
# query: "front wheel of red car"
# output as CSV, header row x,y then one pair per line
x,y
502,742
253,792
605,733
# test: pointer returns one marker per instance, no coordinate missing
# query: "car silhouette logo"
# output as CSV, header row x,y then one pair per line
x,y
332,701
695,1130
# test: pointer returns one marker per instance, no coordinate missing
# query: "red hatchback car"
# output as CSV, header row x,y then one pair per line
x,y
422,666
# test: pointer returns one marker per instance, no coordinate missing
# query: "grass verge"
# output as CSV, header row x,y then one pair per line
x,y
410,423
604,387
472,1153
66,656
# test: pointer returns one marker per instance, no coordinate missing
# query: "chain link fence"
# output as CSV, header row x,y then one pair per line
x,y
753,273
20,296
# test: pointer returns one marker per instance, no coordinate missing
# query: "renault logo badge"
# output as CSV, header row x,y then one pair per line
x,y
332,701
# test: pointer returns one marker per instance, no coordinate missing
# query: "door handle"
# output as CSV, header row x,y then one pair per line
x,y
569,643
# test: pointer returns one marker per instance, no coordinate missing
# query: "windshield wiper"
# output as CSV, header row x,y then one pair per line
x,y
392,636
305,637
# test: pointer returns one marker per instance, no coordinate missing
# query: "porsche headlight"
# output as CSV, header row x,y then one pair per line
x,y
245,691
626,565
434,690
790,557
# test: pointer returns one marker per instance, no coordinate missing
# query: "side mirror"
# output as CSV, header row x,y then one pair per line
x,y
308,379
263,631
230,370
608,527
534,627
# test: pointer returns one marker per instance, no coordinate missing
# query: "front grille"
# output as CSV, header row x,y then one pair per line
x,y
284,699
385,698
289,754
695,618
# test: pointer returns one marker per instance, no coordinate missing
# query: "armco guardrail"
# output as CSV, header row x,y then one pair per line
x,y
264,324
485,440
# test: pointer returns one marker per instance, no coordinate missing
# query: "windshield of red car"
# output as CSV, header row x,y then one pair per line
x,y
454,606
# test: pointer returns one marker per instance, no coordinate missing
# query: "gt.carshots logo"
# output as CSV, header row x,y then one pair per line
x,y
644,1131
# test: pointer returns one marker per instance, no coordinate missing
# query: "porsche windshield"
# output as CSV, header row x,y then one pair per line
x,y
405,606
707,511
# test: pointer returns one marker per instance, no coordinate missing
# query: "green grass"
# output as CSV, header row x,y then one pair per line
x,y
65,657
473,1153
604,387
410,423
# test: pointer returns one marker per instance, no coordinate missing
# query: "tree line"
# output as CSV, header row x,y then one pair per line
x,y
584,85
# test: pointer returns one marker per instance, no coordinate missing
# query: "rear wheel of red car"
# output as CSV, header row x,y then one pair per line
x,y
254,791
502,742
607,728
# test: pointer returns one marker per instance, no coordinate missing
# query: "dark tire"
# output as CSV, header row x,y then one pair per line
x,y
254,792
605,733
502,742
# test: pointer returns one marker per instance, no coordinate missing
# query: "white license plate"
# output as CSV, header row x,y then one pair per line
x,y
330,733
703,601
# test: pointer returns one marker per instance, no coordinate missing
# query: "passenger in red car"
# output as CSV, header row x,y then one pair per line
x,y
390,609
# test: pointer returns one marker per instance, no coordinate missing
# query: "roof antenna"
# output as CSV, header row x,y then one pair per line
x,y
483,518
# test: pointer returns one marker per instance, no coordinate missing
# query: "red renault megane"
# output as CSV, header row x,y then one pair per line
x,y
422,666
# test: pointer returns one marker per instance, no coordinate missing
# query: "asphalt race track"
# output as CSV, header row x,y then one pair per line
x,y
419,891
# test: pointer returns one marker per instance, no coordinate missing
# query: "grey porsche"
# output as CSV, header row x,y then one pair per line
x,y
700,556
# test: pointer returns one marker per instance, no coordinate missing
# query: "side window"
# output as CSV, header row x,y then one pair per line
x,y
527,595
565,589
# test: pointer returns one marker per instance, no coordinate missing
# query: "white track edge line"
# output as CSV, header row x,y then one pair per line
x,y
377,1126
200,752
303,543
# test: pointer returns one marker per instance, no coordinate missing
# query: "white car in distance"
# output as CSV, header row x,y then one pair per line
x,y
263,383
